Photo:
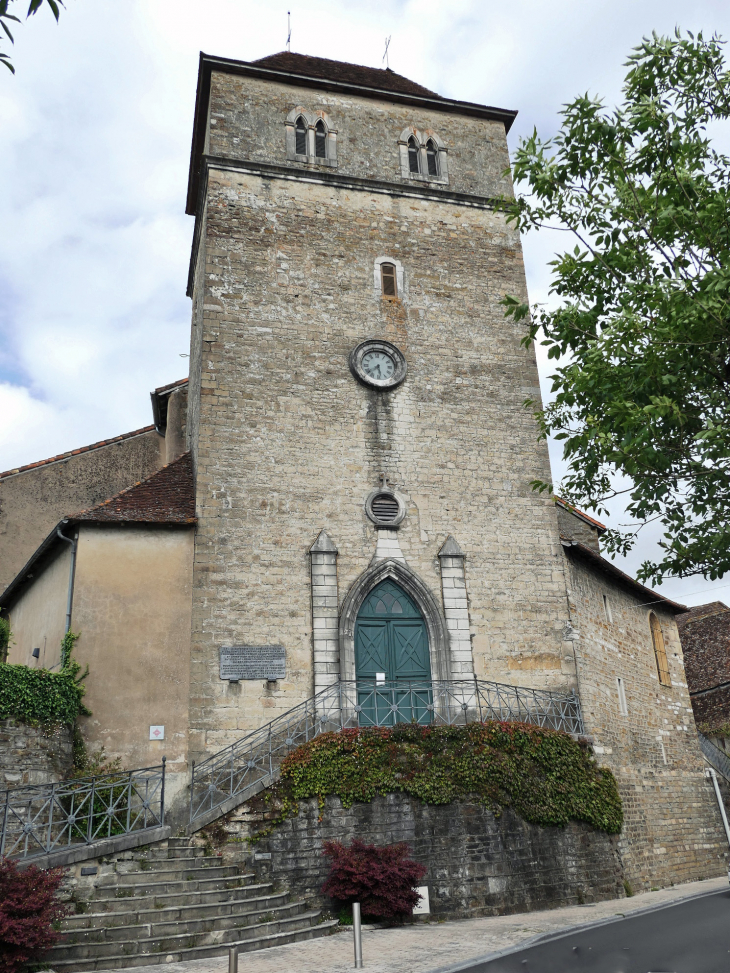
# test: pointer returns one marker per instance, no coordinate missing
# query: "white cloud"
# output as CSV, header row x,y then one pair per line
x,y
96,137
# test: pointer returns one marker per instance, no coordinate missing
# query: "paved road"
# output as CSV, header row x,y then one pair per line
x,y
690,937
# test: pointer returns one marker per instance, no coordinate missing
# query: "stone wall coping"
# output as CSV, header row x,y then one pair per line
x,y
97,849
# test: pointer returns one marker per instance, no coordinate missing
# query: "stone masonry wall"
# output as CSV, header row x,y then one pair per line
x,y
672,829
247,121
31,755
289,443
477,864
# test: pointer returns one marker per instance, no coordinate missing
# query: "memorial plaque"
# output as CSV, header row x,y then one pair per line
x,y
253,662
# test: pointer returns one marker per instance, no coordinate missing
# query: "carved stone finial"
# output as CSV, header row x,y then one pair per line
x,y
323,545
451,548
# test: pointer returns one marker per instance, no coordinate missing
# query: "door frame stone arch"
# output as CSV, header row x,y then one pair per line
x,y
400,573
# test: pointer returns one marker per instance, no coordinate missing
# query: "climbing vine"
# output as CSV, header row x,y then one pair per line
x,y
41,697
545,776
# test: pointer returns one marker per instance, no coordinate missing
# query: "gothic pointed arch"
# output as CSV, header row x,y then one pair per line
x,y
418,591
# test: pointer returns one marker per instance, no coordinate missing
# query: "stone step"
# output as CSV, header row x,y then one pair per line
x,y
261,941
139,952
146,875
191,884
187,896
166,927
175,851
181,912
148,864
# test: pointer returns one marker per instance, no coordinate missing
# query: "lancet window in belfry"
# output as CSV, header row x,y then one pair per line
x,y
320,140
414,153
388,278
432,158
301,134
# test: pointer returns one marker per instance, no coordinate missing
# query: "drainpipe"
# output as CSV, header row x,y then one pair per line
x,y
71,573
710,772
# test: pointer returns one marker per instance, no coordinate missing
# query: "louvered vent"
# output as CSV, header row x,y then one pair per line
x,y
301,135
385,508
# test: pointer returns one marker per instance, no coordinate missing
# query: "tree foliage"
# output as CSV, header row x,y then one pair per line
x,y
29,912
641,335
383,880
6,17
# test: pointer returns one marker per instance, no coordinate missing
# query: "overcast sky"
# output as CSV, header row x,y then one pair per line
x,y
95,132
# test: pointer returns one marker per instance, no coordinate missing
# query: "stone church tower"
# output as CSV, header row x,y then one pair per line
x,y
356,394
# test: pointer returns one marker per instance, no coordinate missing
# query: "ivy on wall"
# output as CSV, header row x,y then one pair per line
x,y
545,776
40,697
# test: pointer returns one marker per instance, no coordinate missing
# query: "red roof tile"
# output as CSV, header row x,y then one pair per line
x,y
171,385
75,452
166,497
355,74
579,513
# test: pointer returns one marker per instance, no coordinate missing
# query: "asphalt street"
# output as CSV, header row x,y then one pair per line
x,y
690,937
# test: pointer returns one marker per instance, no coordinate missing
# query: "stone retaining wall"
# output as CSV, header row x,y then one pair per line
x,y
31,755
478,864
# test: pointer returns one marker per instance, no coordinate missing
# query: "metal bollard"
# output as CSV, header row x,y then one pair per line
x,y
233,959
357,929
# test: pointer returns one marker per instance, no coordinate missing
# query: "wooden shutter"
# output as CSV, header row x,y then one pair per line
x,y
387,273
660,653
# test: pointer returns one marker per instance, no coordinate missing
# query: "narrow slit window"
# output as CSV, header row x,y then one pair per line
x,y
413,155
432,158
607,610
388,278
320,140
660,653
301,134
622,707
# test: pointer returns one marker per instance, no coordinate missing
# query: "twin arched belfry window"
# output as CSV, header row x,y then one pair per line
x,y
415,157
301,131
310,138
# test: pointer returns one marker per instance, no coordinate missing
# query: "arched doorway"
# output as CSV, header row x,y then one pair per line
x,y
391,648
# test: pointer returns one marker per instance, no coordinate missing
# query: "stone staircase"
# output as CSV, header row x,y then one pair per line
x,y
177,904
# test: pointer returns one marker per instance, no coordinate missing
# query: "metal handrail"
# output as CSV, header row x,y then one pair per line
x,y
38,819
714,756
238,771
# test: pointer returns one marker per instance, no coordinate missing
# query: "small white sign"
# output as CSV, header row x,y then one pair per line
x,y
422,907
379,678
157,733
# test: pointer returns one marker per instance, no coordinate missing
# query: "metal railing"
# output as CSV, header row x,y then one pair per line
x,y
714,756
226,779
42,818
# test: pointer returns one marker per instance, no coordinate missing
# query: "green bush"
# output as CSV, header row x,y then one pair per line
x,y
41,697
546,776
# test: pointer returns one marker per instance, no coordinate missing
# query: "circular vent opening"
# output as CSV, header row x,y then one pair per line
x,y
385,508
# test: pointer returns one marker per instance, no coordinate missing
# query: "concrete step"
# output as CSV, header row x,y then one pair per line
x,y
103,956
167,927
184,874
131,904
155,888
180,913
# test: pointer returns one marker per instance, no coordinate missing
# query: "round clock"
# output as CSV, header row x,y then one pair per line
x,y
378,364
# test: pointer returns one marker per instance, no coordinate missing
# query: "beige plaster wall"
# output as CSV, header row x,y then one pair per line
x,y
32,502
132,602
672,829
38,617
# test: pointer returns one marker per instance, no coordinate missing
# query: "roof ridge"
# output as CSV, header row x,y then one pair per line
x,y
76,452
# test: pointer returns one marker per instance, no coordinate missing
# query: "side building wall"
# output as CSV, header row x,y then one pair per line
x,y
38,617
32,501
672,828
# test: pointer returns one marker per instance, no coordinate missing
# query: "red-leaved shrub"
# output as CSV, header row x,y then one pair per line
x,y
28,909
382,880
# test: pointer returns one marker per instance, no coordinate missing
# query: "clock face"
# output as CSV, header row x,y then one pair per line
x,y
378,365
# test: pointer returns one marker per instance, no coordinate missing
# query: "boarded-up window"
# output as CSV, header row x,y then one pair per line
x,y
387,275
413,155
320,141
660,653
432,157
301,133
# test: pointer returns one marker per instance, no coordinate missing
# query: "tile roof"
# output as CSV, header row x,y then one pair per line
x,y
579,513
699,612
75,452
166,497
652,597
354,74
172,385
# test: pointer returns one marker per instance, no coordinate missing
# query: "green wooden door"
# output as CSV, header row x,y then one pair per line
x,y
391,647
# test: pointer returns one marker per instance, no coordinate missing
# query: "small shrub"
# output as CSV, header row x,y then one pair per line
x,y
627,889
28,911
382,880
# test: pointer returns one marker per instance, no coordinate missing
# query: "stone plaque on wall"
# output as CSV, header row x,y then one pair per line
x,y
252,662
